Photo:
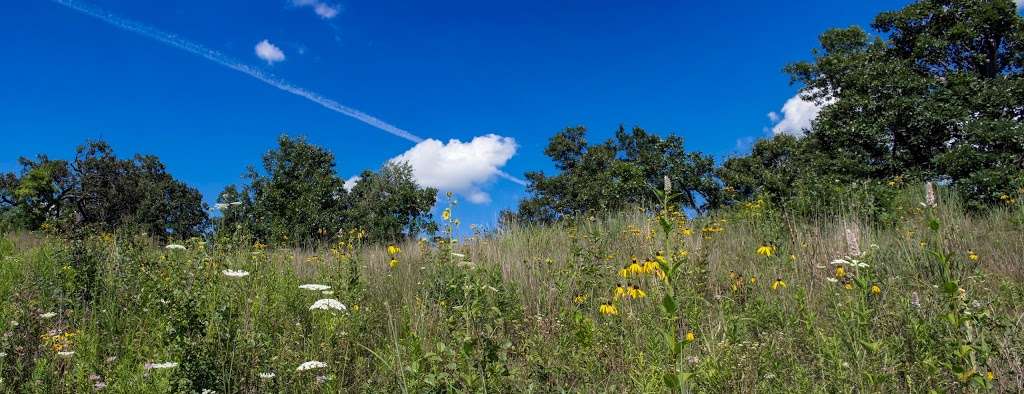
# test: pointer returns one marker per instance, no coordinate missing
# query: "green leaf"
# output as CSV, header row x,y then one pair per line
x,y
669,304
671,380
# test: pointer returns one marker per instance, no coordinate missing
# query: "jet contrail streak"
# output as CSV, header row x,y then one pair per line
x,y
265,77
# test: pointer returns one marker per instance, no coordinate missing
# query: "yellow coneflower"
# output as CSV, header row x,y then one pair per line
x,y
778,283
650,266
446,214
624,272
753,280
840,272
660,258
580,299
619,292
635,268
766,250
393,250
393,263
848,285
875,289
687,231
635,292
972,256
990,376
608,309
661,275
690,337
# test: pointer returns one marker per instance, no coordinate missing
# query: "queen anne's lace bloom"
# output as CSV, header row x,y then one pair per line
x,y
314,287
175,247
164,365
235,274
308,365
328,304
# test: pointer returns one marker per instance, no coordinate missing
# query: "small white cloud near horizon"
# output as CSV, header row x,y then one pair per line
x,y
321,8
797,116
269,52
351,182
460,167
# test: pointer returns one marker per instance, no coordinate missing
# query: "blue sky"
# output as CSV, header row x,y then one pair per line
x,y
708,71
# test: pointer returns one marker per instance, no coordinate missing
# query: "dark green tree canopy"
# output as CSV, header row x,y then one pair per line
x,y
97,189
615,174
298,198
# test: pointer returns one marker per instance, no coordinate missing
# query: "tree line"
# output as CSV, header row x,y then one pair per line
x,y
936,93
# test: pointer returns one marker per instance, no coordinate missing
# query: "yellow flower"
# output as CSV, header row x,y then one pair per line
x,y
608,309
990,376
687,231
766,250
753,280
619,292
635,268
393,263
660,275
840,272
624,272
393,250
875,289
651,266
848,285
778,283
972,256
580,299
635,292
690,337
792,258
446,214
660,258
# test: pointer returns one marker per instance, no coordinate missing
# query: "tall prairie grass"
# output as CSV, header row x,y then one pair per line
x,y
517,310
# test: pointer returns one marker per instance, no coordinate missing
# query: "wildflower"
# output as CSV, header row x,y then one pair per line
x,y
328,304
651,266
753,280
661,275
314,287
164,365
393,263
792,258
619,292
66,353
267,375
875,289
327,292
635,292
175,247
852,242
990,376
778,283
766,250
929,195
840,272
608,309
624,272
667,184
393,250
915,300
446,214
235,274
47,315
848,285
833,280
660,258
690,337
972,256
579,299
687,231
308,365
635,268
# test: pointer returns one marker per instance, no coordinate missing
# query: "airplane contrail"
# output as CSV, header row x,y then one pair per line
x,y
263,76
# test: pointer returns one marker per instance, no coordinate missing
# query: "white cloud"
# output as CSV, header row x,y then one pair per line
x,y
324,9
351,182
797,115
1020,3
269,52
460,167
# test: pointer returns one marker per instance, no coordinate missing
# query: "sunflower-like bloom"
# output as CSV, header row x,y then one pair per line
x,y
608,309
650,266
446,214
393,250
753,280
875,289
840,272
766,250
619,292
393,263
624,272
635,292
580,299
778,284
972,256
660,258
661,275
635,268
690,336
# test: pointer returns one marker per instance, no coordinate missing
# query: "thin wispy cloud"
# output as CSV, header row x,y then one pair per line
x,y
323,9
269,52
263,76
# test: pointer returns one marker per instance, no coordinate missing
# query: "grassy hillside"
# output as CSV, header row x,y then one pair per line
x,y
932,302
